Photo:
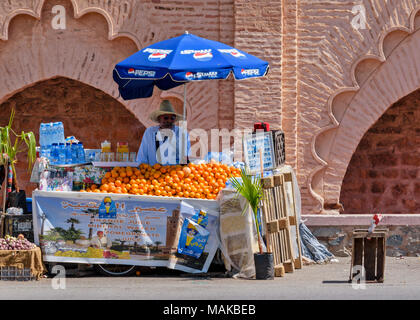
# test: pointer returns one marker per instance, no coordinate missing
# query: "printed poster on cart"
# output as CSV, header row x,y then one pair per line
x,y
72,227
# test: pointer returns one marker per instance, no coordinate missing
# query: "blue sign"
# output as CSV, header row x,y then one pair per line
x,y
107,209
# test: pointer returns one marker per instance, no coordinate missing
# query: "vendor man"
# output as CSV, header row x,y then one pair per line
x,y
166,143
100,241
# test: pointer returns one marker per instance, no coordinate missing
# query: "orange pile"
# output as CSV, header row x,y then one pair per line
x,y
203,181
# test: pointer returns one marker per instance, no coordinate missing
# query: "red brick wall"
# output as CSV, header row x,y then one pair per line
x,y
87,113
384,173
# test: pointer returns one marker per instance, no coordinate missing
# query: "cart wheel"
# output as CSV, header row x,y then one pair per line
x,y
115,270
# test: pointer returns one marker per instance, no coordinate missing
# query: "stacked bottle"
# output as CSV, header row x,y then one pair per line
x,y
80,153
53,144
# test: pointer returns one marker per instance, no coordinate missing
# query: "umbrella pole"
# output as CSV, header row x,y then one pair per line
x,y
185,101
184,159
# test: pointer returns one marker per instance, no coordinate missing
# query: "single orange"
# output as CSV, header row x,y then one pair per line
x,y
187,171
180,174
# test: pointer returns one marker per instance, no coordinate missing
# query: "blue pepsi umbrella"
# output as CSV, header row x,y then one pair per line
x,y
176,61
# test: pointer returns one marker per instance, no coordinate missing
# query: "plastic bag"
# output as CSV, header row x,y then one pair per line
x,y
238,235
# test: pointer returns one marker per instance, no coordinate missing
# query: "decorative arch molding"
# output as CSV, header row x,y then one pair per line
x,y
332,146
113,32
106,85
141,109
5,31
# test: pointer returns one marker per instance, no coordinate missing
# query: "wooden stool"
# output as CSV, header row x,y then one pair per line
x,y
369,251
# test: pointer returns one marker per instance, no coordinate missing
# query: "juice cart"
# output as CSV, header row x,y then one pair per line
x,y
118,231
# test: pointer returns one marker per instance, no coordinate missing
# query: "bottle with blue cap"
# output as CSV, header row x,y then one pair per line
x,y
80,153
60,132
55,134
42,139
61,153
73,148
68,153
54,154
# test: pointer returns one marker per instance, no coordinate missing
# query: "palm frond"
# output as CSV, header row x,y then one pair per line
x,y
12,148
250,188
30,141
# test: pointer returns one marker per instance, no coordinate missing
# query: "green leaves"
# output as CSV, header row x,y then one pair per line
x,y
250,188
11,144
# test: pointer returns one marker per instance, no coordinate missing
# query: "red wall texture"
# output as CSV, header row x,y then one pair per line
x,y
328,83
384,172
87,113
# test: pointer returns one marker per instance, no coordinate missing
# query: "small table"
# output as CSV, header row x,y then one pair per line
x,y
369,251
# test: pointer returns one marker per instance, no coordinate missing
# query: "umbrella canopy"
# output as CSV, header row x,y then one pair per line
x,y
170,63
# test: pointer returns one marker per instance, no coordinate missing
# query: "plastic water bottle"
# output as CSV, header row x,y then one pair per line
x,y
80,153
61,132
54,154
45,140
73,148
61,153
42,139
68,154
48,134
42,135
55,133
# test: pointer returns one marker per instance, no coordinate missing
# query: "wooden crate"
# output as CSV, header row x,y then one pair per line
x,y
277,221
13,225
369,251
279,147
293,217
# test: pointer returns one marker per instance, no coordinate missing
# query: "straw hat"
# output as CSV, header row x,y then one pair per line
x,y
164,108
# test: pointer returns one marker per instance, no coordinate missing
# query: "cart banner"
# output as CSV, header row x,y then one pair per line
x,y
73,227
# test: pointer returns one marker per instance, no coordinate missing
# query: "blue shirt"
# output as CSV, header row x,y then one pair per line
x,y
148,152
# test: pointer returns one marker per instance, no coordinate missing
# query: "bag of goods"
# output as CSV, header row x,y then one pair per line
x,y
193,239
238,235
